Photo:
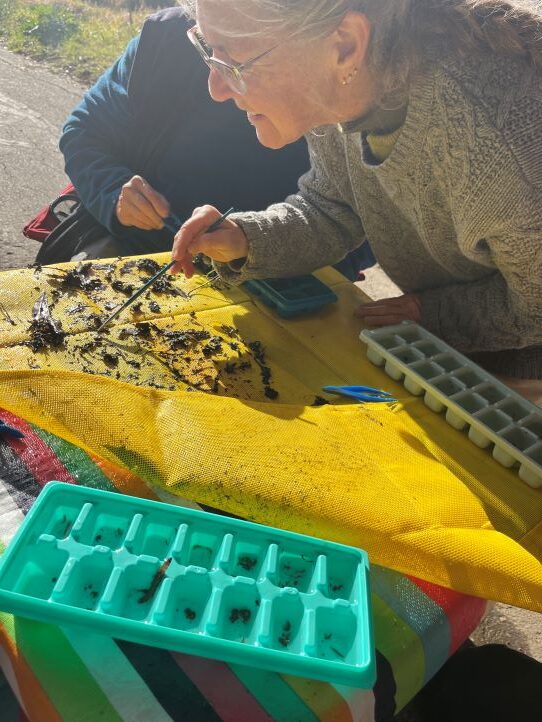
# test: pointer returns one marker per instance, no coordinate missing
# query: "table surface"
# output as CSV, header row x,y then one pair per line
x,y
417,624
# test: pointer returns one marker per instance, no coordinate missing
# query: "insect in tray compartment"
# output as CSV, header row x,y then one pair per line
x,y
158,578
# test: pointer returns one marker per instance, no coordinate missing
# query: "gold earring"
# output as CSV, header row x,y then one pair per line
x,y
348,79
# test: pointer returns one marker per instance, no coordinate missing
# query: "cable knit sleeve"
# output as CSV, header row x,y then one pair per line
x,y
311,229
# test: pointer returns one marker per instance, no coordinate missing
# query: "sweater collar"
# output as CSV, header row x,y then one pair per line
x,y
377,120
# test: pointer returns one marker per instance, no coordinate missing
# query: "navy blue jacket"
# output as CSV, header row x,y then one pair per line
x,y
151,114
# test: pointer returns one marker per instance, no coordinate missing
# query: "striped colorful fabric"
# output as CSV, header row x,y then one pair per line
x,y
417,626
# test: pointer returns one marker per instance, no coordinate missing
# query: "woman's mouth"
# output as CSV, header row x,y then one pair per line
x,y
254,117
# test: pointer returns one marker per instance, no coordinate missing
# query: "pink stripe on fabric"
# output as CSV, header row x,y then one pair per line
x,y
464,613
35,454
222,689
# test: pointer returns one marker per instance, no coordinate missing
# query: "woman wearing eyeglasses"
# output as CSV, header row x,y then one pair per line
x,y
424,121
147,140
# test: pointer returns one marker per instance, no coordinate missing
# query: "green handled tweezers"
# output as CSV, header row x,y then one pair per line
x,y
160,273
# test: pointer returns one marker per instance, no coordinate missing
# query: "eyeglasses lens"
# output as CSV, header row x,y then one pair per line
x,y
231,75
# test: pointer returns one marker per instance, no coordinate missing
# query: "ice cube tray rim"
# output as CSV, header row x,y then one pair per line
x,y
372,338
360,674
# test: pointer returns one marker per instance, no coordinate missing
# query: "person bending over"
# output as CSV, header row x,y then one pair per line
x,y
424,122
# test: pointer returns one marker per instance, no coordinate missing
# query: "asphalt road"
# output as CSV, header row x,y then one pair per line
x,y
33,106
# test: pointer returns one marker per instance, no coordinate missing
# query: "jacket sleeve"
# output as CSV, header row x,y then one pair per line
x,y
95,137
311,229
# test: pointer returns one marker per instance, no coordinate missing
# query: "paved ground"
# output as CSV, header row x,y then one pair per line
x,y
33,106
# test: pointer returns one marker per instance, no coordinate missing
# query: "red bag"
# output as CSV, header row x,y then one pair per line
x,y
52,215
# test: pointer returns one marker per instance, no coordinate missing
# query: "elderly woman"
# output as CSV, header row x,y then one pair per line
x,y
424,119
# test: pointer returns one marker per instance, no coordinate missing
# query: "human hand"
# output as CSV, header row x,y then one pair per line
x,y
225,244
389,311
139,205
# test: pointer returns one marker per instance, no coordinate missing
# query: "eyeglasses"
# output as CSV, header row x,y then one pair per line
x,y
231,72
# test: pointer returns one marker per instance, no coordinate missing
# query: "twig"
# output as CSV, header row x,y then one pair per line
x,y
6,315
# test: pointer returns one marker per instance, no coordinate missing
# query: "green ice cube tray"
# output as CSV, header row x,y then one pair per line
x,y
228,589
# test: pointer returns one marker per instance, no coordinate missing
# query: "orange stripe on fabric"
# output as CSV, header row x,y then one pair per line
x,y
123,479
37,703
320,697
464,613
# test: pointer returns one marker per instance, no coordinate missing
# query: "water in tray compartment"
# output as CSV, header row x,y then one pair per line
x,y
188,598
200,548
38,571
136,590
106,529
153,538
341,574
245,559
87,580
295,568
61,522
335,633
286,618
238,609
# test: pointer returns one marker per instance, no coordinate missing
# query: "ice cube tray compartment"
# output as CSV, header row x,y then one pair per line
x,y
494,416
195,582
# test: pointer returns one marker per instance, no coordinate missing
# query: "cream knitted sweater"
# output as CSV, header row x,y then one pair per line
x,y
453,214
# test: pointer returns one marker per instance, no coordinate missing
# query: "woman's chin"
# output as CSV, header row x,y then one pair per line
x,y
266,132
270,140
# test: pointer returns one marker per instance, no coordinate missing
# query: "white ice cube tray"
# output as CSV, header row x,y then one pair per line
x,y
496,416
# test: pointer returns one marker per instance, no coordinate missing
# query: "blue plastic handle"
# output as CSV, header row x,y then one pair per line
x,y
10,431
361,393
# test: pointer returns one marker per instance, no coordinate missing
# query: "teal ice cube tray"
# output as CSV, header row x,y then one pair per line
x,y
292,296
191,581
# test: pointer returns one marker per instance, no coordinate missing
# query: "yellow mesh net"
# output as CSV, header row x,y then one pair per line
x,y
208,394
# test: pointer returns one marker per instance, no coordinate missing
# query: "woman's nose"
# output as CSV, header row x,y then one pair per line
x,y
219,89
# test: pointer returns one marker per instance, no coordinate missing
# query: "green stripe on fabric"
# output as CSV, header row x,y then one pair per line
x,y
65,679
402,648
123,686
276,697
76,461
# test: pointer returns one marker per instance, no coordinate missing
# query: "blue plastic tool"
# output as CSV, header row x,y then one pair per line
x,y
6,430
361,393
195,582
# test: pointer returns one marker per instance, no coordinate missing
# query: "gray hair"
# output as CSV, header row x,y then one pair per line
x,y
403,31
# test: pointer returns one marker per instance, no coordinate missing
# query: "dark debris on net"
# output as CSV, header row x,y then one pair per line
x,y
194,356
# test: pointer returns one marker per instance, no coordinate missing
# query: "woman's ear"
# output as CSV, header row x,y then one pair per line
x,y
350,45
